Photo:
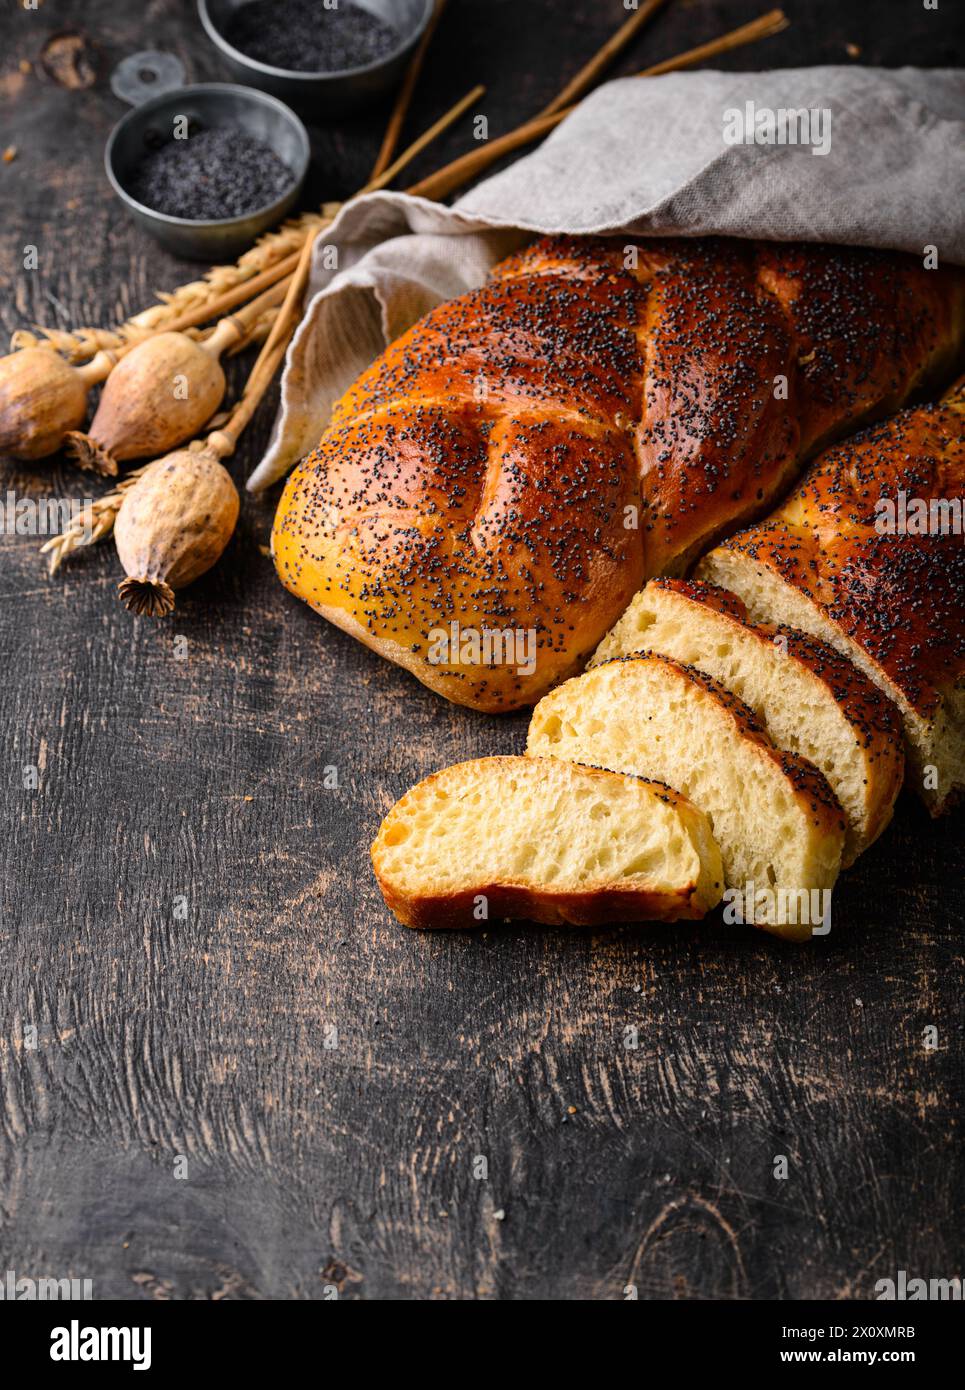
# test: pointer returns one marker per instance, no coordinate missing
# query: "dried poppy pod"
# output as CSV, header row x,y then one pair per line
x,y
43,398
172,526
161,394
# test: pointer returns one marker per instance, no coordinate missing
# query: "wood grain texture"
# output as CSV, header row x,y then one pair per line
x,y
208,1036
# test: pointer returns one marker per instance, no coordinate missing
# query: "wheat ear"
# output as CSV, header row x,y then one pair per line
x,y
191,299
92,527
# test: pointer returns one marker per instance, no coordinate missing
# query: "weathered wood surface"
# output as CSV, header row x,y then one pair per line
x,y
202,773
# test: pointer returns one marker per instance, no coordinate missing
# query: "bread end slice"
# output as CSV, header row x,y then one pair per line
x,y
544,840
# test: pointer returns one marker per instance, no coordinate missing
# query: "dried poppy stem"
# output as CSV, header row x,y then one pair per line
x,y
222,442
588,74
257,333
394,129
461,170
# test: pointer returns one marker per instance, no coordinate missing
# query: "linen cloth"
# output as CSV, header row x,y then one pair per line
x,y
640,156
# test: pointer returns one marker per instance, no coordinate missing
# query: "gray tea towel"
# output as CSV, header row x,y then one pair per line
x,y
860,156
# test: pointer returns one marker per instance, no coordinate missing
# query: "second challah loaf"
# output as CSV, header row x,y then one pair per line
x,y
866,555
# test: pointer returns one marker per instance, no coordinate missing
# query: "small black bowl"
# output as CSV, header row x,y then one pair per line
x,y
207,105
339,93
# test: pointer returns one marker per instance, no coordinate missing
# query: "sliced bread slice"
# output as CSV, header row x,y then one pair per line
x,y
810,698
778,823
544,840
866,555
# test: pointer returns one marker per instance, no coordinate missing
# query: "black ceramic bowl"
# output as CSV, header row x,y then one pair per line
x,y
325,92
207,106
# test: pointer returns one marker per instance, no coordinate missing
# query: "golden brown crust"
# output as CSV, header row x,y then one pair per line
x,y
603,907
489,467
554,909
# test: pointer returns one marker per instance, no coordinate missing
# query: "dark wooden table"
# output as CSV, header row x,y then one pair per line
x,y
226,1070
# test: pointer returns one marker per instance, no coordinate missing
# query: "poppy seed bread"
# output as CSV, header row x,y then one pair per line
x,y
810,698
601,411
773,814
890,597
544,840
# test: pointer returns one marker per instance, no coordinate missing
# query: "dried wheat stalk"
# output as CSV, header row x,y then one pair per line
x,y
455,175
257,333
277,246
79,533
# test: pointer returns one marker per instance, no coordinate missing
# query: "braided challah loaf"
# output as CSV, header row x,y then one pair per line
x,y
491,493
